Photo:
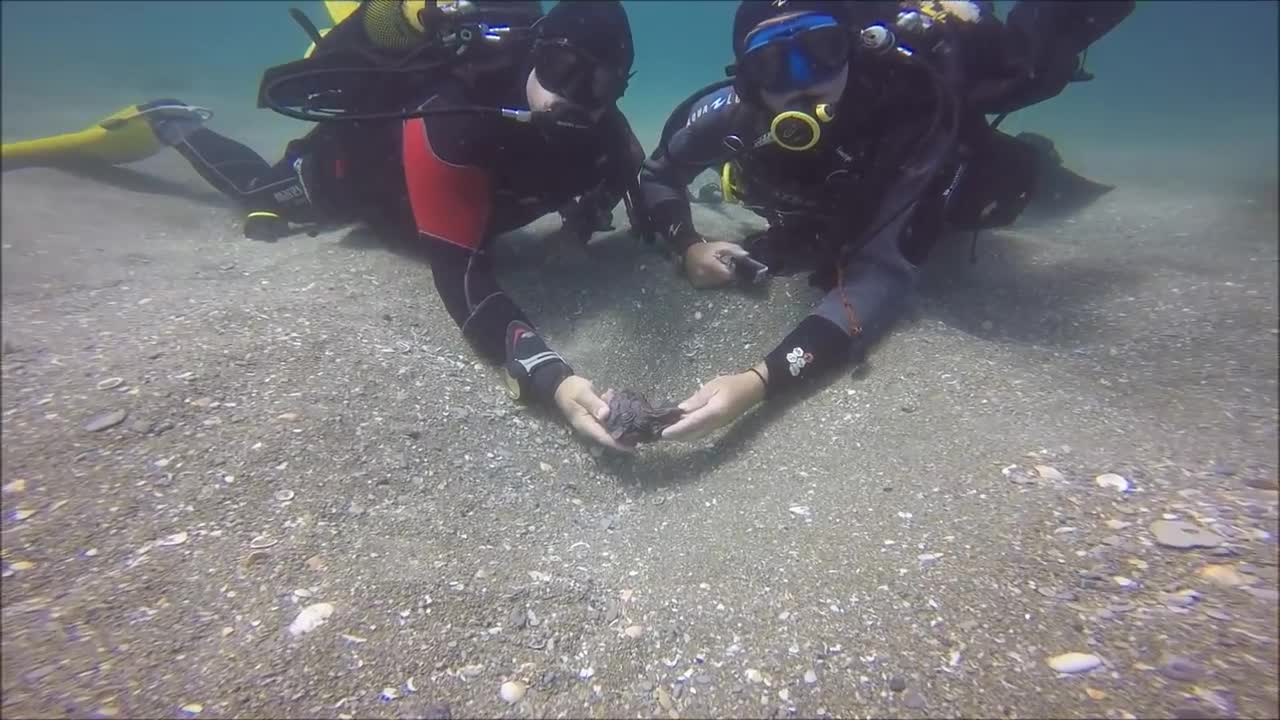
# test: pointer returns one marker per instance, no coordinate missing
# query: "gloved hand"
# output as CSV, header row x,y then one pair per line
x,y
710,194
582,218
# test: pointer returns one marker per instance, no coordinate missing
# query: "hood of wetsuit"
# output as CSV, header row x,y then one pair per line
x,y
583,51
599,27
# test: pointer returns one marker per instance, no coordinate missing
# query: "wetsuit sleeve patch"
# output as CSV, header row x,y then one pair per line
x,y
451,202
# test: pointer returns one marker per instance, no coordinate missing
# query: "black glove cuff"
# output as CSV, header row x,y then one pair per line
x,y
535,369
673,220
546,380
815,345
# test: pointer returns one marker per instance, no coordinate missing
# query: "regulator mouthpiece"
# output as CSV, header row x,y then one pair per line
x,y
798,131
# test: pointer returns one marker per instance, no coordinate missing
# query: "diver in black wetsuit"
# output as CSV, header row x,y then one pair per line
x,y
503,138
858,130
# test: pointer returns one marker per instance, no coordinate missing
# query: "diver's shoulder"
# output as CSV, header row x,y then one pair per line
x,y
699,124
713,108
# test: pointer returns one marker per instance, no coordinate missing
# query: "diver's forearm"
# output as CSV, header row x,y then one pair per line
x,y
814,346
673,221
469,289
852,317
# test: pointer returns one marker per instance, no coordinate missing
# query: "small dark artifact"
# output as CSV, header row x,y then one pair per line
x,y
633,420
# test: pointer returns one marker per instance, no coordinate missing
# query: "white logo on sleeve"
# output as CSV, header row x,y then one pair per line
x,y
798,359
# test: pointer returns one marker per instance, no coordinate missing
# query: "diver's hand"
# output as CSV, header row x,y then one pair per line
x,y
706,264
579,221
717,404
590,214
585,411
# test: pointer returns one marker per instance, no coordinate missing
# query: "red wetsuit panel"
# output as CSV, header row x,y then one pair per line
x,y
451,202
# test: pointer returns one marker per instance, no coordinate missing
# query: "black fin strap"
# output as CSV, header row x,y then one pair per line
x,y
307,26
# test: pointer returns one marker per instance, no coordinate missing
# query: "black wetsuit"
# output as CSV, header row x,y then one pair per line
x,y
453,180
865,206
337,173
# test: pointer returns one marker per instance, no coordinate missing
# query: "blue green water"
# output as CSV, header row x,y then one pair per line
x,y
1180,84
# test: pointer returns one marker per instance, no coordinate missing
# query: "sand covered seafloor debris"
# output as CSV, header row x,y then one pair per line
x,y
294,437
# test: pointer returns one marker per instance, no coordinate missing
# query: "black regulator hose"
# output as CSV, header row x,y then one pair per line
x,y
558,116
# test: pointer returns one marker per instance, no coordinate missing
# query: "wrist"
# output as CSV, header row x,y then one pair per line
x,y
760,376
688,255
534,372
687,242
672,221
546,381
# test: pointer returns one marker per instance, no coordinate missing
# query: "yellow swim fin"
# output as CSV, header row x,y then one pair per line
x,y
339,10
132,134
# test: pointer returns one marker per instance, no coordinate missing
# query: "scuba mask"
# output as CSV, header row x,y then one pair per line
x,y
577,76
798,53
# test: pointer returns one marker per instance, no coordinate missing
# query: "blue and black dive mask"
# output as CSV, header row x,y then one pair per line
x,y
801,52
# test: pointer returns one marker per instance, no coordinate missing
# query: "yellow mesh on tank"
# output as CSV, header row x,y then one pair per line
x,y
386,26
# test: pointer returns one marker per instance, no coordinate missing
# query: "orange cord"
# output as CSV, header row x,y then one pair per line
x,y
855,327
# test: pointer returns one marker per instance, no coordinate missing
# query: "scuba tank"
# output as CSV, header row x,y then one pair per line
x,y
388,55
1045,48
